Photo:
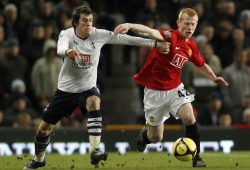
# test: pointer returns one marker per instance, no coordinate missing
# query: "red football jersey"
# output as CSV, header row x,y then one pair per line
x,y
162,72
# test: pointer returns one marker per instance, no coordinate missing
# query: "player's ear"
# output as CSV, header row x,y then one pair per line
x,y
178,22
74,24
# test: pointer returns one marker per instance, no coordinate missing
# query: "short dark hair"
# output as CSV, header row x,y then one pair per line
x,y
80,10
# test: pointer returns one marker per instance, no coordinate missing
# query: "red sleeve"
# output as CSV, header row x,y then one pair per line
x,y
196,57
166,34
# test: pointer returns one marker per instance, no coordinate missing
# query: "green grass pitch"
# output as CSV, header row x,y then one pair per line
x,y
134,161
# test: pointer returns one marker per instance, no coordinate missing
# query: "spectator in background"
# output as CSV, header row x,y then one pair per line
x,y
245,24
246,101
225,120
1,118
33,49
210,114
63,15
27,17
50,30
246,116
149,12
5,81
2,19
238,112
46,10
17,64
208,31
212,59
230,12
2,42
223,10
46,71
223,43
13,29
239,41
237,75
19,104
23,120
18,87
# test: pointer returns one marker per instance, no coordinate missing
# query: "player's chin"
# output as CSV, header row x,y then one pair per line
x,y
189,35
88,30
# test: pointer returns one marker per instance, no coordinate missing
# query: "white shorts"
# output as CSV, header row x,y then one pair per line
x,y
159,104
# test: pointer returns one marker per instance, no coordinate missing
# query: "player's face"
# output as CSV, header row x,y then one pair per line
x,y
187,25
84,26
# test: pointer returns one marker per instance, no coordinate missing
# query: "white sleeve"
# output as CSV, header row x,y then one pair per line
x,y
62,44
128,40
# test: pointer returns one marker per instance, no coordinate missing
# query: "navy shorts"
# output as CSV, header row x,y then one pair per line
x,y
62,104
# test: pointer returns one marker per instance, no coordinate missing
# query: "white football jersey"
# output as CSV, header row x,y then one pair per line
x,y
81,74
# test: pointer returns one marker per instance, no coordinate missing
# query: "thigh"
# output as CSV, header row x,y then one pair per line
x,y
179,97
60,105
186,114
156,106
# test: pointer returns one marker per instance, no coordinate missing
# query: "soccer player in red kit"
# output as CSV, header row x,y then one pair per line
x,y
164,93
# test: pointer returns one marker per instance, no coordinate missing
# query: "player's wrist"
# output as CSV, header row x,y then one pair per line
x,y
155,44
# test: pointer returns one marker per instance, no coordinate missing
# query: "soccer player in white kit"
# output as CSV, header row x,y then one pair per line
x,y
80,48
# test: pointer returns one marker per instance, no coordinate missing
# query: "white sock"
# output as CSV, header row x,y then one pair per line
x,y
94,142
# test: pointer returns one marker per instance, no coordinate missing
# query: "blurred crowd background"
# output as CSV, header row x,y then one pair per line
x,y
29,65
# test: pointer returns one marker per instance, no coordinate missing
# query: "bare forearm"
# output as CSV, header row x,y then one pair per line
x,y
208,72
145,31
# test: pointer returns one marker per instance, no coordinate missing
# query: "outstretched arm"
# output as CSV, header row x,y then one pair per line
x,y
208,72
163,47
139,29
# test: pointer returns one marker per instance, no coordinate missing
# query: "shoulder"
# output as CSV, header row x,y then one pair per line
x,y
101,34
40,62
167,34
192,42
214,58
229,69
101,31
68,32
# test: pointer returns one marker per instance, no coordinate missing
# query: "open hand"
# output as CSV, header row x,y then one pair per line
x,y
220,80
122,29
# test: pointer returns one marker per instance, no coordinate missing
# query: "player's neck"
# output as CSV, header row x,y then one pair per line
x,y
81,35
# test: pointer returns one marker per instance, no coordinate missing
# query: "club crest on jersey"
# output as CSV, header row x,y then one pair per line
x,y
190,52
178,61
